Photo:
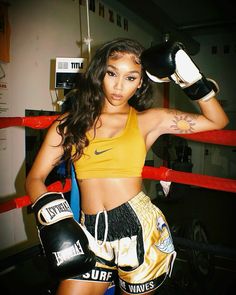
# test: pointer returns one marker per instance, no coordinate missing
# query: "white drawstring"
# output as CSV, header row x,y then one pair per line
x,y
106,227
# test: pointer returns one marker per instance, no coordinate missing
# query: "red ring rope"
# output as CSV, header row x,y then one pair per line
x,y
211,182
224,137
36,122
162,173
20,202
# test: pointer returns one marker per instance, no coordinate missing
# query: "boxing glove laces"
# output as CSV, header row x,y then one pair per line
x,y
64,242
169,62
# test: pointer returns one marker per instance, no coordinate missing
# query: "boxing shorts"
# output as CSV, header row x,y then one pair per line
x,y
132,241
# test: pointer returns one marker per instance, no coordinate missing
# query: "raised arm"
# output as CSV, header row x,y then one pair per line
x,y
211,117
168,62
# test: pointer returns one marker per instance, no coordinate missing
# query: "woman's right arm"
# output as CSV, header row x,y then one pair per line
x,y
49,154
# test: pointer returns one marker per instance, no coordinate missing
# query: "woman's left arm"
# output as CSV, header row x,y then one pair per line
x,y
213,115
160,121
168,62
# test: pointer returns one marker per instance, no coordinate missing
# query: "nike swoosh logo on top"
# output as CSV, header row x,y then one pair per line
x,y
96,152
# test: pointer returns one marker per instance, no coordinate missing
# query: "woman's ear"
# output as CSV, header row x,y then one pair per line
x,y
140,83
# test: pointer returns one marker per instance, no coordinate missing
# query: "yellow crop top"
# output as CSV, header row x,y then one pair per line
x,y
120,156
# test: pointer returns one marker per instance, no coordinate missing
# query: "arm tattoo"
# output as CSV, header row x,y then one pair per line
x,y
183,122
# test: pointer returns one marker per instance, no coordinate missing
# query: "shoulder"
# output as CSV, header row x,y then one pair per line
x,y
53,134
61,119
150,124
150,119
153,114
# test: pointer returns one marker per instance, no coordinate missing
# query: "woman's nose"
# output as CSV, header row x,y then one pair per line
x,y
119,84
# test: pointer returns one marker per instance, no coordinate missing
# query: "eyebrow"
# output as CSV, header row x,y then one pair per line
x,y
130,72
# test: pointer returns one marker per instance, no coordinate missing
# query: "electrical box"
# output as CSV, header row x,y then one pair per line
x,y
68,70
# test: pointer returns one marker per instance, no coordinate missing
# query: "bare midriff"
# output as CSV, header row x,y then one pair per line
x,y
98,194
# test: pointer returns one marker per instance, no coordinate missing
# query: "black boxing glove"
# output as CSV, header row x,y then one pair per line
x,y
169,61
64,242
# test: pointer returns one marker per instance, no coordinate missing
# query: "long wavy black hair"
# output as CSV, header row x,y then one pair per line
x,y
88,99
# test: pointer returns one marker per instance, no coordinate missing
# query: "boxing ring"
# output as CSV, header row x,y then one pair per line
x,y
221,137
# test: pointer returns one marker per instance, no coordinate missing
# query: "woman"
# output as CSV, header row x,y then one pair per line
x,y
106,134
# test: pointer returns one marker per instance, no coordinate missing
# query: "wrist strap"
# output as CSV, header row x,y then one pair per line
x,y
54,211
